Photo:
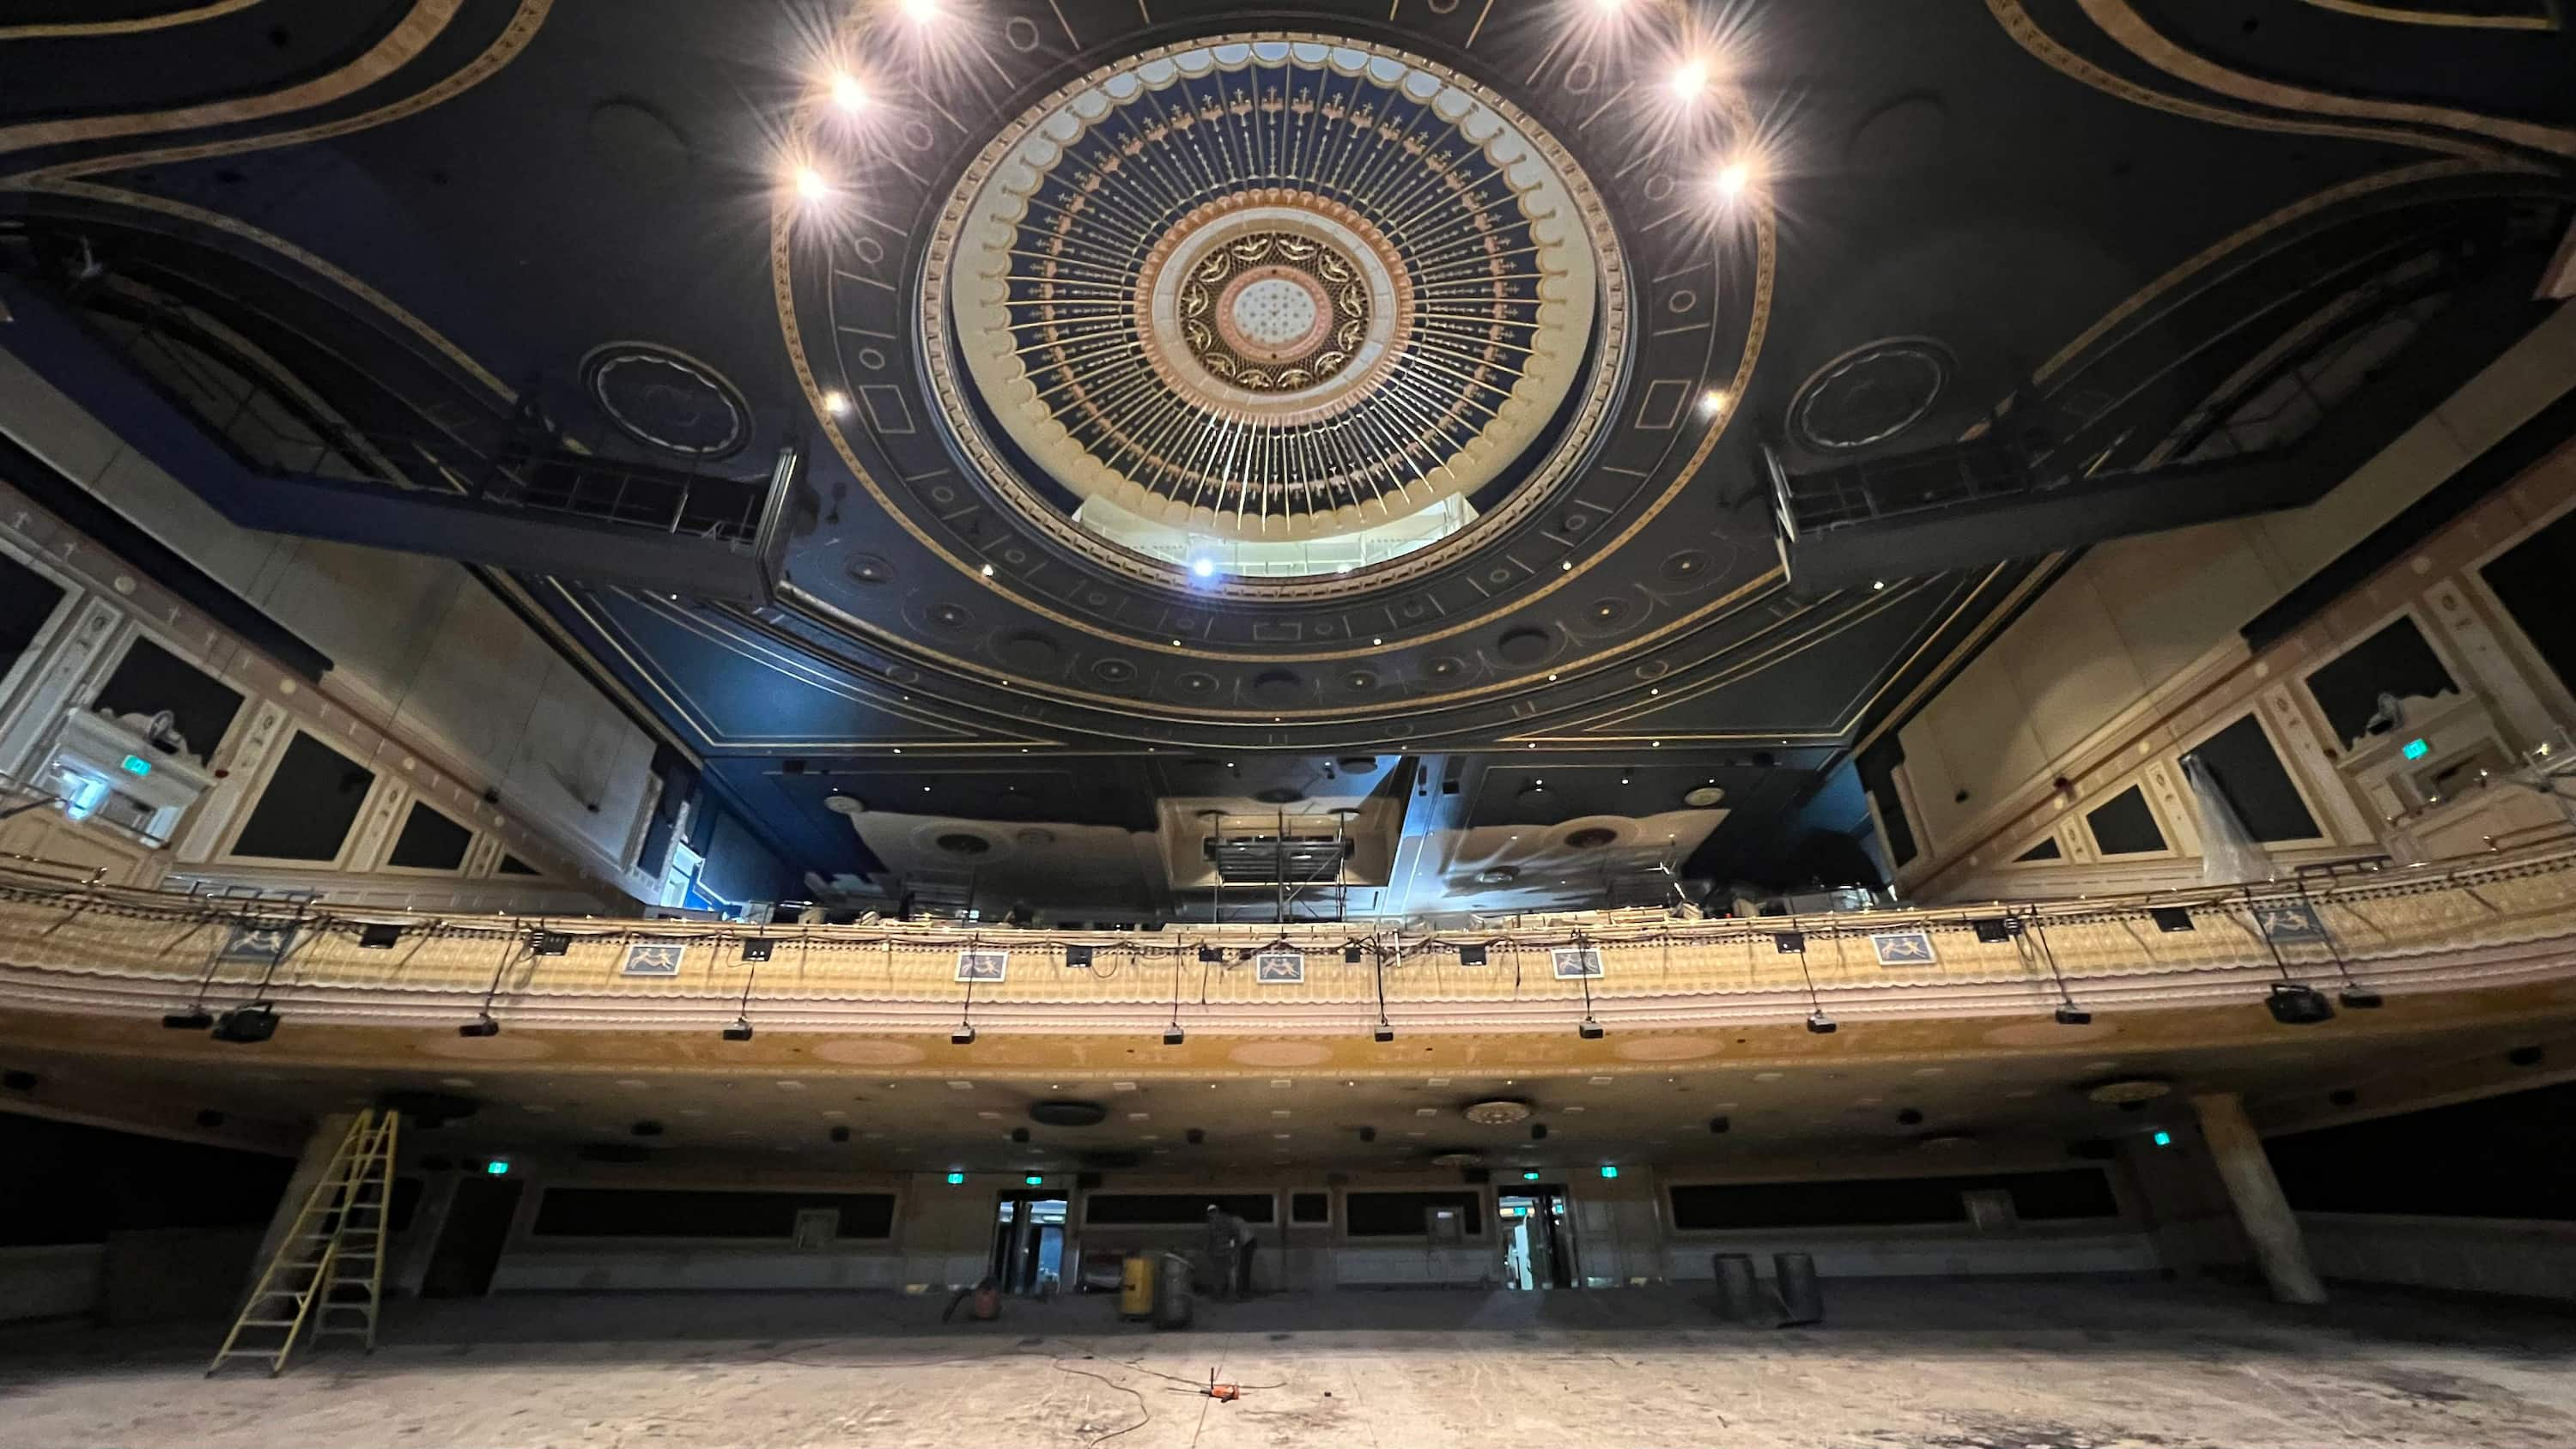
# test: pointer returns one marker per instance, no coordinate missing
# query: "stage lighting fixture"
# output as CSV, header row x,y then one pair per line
x,y
964,1035
2170,919
1077,955
757,948
480,1026
253,1023
1384,1032
1821,1024
1997,929
1172,1036
193,1019
378,937
1211,955
1589,1030
1350,955
553,943
2360,998
739,1031
2294,1004
1471,955
2073,1015
1789,943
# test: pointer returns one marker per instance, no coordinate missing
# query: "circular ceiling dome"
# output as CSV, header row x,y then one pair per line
x,y
1273,290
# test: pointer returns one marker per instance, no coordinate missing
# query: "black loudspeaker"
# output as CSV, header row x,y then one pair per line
x,y
2073,1015
1383,1033
2292,1004
1996,929
1211,955
1471,955
1588,1029
2170,919
553,943
739,1031
18,1081
757,948
378,937
1789,943
1475,1176
246,1024
196,1019
1821,1024
1077,955
1172,1036
1350,955
481,1026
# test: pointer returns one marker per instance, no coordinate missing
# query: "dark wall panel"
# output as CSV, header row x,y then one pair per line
x,y
66,1183
151,679
2072,1193
2533,578
2498,1157
430,841
607,1212
1174,1209
309,805
27,600
2396,660
1401,1214
2124,825
2251,778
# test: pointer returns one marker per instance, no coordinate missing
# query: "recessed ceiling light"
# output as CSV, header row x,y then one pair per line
x,y
1732,178
847,93
837,403
1690,78
812,184
1713,401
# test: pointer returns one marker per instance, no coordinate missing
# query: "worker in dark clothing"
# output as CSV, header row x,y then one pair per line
x,y
1230,1245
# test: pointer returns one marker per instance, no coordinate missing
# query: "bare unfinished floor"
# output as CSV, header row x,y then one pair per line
x,y
2013,1365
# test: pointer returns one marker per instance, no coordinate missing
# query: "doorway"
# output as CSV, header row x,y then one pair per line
x,y
1028,1242
470,1242
1538,1237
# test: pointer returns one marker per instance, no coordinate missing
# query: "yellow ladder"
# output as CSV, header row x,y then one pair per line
x,y
337,1241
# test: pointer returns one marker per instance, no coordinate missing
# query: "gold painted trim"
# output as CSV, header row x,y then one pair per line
x,y
2027,34
2401,15
2125,25
88,29
505,47
399,47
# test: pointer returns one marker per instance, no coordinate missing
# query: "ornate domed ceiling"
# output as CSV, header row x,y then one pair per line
x,y
1177,378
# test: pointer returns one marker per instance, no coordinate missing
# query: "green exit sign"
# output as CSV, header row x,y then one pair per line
x,y
2415,749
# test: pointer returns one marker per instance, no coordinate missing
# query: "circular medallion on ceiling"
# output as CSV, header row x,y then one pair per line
x,y
667,399
1273,289
1870,394
1704,797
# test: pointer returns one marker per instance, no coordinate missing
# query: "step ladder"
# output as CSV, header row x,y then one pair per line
x,y
336,1242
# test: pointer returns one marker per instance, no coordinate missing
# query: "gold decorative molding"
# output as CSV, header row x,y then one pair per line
x,y
2459,19
2027,33
133,25
399,47
2123,23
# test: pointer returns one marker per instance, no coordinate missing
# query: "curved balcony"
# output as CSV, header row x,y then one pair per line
x,y
2506,921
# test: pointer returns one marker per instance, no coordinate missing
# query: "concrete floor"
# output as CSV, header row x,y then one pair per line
x,y
1958,1365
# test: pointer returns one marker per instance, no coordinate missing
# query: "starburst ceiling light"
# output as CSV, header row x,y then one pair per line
x,y
847,94
1689,79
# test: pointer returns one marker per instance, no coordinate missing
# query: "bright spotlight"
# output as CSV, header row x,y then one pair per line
x,y
1690,80
919,10
1713,401
1204,568
847,93
1733,178
837,403
812,184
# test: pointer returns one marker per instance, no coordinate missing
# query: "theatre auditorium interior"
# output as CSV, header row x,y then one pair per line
x,y
1185,722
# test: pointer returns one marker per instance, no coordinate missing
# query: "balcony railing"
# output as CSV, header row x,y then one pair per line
x,y
2494,921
